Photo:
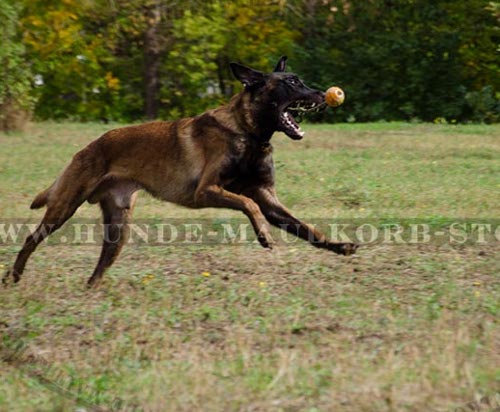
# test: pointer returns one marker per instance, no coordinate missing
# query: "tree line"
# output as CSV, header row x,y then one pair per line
x,y
125,60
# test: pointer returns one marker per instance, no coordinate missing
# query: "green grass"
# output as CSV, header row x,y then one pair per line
x,y
394,328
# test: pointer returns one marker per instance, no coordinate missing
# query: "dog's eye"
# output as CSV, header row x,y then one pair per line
x,y
293,81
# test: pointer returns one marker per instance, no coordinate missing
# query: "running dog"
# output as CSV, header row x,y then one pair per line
x,y
221,158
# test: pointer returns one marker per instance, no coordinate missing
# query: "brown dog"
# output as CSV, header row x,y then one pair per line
x,y
221,158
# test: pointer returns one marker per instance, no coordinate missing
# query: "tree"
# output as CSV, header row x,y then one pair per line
x,y
134,59
399,59
205,40
68,58
16,101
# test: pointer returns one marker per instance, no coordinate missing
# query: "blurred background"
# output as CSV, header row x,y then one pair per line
x,y
130,60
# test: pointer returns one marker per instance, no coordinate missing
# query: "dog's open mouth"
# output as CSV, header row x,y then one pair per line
x,y
292,115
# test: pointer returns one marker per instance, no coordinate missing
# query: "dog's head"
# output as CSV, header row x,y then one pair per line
x,y
276,97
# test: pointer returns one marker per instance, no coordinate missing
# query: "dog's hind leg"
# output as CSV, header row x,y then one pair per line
x,y
57,214
62,199
117,206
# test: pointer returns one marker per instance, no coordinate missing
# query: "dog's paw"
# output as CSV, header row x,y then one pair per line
x,y
10,277
345,249
94,282
265,240
6,278
349,249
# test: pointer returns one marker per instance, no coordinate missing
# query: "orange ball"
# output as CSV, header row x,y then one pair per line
x,y
334,96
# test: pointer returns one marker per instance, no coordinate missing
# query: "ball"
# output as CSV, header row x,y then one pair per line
x,y
334,96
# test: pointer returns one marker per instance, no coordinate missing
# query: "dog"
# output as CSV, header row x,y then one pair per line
x,y
221,158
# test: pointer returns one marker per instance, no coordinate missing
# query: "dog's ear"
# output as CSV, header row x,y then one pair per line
x,y
249,77
281,66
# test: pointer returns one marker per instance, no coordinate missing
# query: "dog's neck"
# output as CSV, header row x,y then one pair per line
x,y
256,123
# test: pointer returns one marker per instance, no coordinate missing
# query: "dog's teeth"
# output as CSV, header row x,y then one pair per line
x,y
289,122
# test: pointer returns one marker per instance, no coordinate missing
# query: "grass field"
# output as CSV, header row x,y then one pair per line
x,y
406,327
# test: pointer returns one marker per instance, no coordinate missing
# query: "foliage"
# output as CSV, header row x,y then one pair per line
x,y
197,65
484,107
401,59
396,59
16,101
70,60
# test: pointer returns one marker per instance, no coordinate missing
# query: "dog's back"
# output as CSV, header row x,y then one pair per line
x,y
160,157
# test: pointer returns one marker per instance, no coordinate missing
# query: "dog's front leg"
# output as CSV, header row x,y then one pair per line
x,y
279,216
216,196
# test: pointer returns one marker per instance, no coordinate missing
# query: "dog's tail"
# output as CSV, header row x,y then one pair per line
x,y
41,198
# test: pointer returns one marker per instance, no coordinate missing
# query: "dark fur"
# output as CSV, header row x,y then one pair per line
x,y
221,158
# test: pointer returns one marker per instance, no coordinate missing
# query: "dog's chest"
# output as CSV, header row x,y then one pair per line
x,y
248,160
246,155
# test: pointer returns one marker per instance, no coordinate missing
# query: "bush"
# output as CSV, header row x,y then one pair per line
x,y
484,105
